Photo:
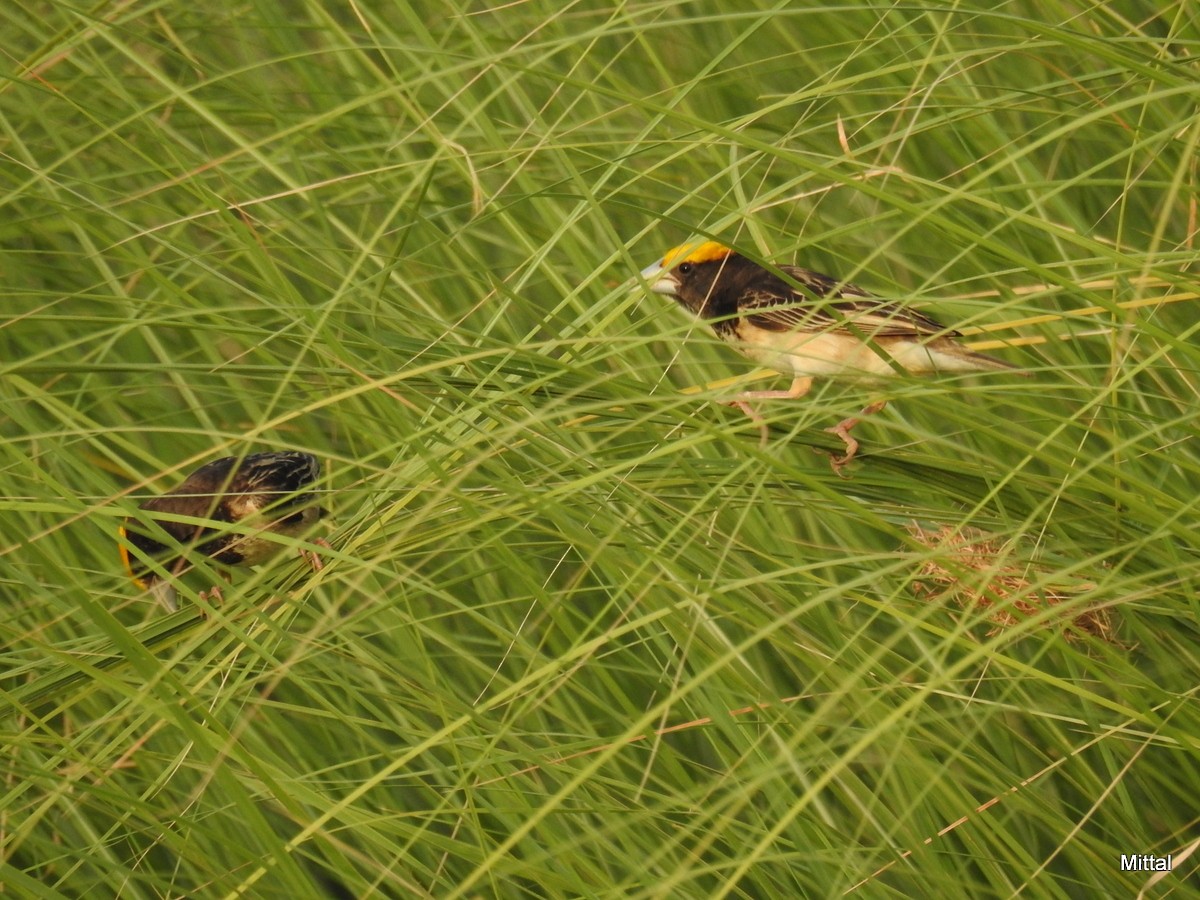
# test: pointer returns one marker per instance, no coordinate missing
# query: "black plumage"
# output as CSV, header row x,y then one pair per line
x,y
261,493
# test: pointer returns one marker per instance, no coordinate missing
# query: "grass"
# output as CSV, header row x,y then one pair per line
x,y
580,635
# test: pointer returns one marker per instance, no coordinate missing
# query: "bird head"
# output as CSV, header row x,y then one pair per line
x,y
689,272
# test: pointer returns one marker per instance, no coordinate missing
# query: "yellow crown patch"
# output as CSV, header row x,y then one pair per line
x,y
693,252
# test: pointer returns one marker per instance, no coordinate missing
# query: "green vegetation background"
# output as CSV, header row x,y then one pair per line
x,y
581,635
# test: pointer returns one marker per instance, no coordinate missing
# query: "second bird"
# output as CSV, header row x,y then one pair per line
x,y
262,493
805,324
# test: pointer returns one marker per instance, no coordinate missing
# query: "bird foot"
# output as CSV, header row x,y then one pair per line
x,y
312,557
842,430
798,389
212,597
755,416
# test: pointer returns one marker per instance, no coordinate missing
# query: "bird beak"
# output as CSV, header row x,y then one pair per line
x,y
660,283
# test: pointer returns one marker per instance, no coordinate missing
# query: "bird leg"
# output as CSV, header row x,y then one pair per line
x,y
842,430
213,595
758,420
800,386
311,556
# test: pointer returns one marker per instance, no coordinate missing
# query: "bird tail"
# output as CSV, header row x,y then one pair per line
x,y
956,357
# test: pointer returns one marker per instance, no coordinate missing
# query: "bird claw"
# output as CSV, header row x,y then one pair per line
x,y
753,414
212,596
842,430
312,557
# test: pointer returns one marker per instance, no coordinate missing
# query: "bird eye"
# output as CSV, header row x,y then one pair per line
x,y
685,268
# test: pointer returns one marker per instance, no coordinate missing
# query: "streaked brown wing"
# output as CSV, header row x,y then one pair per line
x,y
852,310
277,472
275,479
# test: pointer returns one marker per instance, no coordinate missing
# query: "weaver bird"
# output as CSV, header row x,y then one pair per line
x,y
807,325
263,493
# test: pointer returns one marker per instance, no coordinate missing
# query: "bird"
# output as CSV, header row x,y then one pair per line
x,y
269,492
808,325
